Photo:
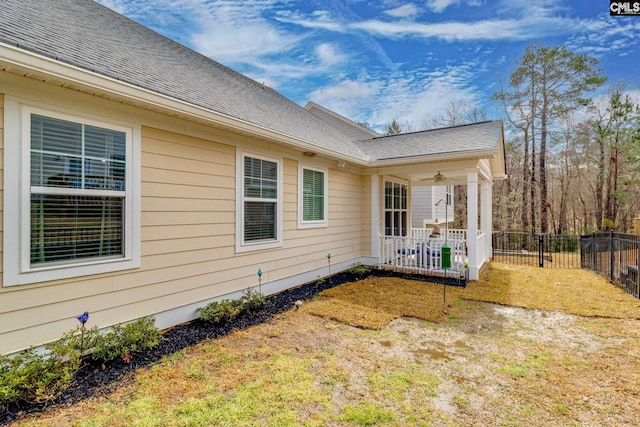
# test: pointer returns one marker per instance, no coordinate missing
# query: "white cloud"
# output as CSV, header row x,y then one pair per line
x,y
328,54
511,29
411,97
440,5
404,11
604,35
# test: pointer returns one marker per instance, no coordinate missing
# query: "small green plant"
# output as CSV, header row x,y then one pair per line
x,y
253,300
38,376
123,340
227,309
41,376
220,311
359,269
320,281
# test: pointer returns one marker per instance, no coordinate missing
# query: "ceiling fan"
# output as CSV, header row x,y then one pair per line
x,y
437,178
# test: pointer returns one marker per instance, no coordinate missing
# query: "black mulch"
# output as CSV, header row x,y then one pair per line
x,y
97,379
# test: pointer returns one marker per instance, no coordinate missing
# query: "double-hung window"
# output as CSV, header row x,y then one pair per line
x,y
395,209
74,213
312,198
259,210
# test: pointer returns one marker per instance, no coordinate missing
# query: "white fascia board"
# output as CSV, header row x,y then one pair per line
x,y
45,67
430,158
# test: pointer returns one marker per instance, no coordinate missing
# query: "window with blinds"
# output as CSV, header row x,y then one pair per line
x,y
78,188
313,195
260,191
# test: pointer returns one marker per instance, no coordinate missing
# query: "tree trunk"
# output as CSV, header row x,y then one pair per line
x,y
526,182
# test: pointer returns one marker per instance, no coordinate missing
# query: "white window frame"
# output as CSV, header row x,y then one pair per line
x,y
314,223
406,210
241,245
17,195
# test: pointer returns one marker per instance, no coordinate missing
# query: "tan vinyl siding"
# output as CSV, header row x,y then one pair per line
x,y
188,242
1,174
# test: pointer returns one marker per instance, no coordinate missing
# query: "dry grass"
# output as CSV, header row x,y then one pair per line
x,y
572,291
482,364
372,303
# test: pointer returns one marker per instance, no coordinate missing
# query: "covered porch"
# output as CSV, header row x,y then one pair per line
x,y
471,156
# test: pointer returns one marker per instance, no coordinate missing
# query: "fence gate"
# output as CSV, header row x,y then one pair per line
x,y
541,250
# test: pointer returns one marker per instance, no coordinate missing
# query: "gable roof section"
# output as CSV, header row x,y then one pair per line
x,y
471,139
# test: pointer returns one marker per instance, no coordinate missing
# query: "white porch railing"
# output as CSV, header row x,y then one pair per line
x,y
453,234
421,253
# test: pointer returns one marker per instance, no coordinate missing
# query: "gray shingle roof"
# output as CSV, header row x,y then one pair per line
x,y
90,36
452,140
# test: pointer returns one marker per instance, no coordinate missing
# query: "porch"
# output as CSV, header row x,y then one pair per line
x,y
420,252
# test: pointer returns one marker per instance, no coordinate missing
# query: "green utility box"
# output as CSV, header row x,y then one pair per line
x,y
446,257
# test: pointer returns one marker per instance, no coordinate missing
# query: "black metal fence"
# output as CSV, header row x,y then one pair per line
x,y
615,256
540,250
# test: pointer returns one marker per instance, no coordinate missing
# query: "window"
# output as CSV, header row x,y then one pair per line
x,y
260,209
395,209
312,202
75,202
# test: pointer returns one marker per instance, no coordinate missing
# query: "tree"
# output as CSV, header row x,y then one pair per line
x,y
393,128
615,128
548,83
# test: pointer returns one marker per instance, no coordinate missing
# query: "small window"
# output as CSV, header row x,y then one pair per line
x,y
260,207
312,203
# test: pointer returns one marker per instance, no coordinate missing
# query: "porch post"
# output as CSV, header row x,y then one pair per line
x,y
486,217
472,224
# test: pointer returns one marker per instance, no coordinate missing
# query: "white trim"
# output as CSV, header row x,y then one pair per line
x,y
383,201
375,217
241,246
16,257
472,225
317,223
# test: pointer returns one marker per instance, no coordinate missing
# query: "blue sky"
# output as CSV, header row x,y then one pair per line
x,y
373,61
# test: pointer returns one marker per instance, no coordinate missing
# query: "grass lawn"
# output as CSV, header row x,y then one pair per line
x,y
520,347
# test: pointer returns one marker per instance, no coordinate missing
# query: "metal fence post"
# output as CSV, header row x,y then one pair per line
x,y
637,267
540,251
612,256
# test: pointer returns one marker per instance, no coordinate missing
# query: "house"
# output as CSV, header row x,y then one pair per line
x,y
142,178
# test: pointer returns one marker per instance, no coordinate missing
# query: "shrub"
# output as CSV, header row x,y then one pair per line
x,y
41,376
253,300
226,310
38,377
123,340
359,269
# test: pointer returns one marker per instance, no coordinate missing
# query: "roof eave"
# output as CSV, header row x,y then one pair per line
x,y
438,157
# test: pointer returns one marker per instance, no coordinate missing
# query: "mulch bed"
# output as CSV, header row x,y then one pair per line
x,y
97,379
